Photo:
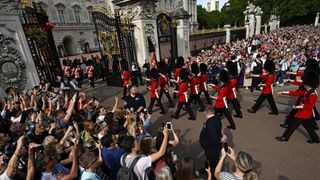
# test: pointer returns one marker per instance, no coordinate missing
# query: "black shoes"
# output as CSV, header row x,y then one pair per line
x,y
201,110
231,127
273,113
192,118
238,116
316,127
284,125
174,117
312,141
251,111
280,138
162,112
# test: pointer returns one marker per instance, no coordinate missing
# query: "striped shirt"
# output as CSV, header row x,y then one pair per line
x,y
229,176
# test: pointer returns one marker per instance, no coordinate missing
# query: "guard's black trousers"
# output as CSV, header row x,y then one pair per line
x,y
271,102
188,109
196,98
91,80
207,96
236,105
307,124
166,92
152,101
225,112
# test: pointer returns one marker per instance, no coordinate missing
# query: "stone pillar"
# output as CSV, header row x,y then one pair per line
x,y
251,24
265,28
247,30
258,20
316,21
183,31
18,70
228,33
143,15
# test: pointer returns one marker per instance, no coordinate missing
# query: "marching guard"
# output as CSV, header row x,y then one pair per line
x,y
203,82
154,92
164,81
221,105
267,91
183,95
90,72
126,77
194,87
305,115
232,93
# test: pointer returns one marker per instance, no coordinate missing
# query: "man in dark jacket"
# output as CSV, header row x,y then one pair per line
x,y
210,137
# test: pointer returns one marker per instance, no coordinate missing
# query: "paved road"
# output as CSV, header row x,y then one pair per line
x,y
294,160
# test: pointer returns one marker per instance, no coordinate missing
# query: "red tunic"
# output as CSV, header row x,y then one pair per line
x,y
183,92
194,84
203,82
163,81
308,104
221,101
154,88
90,71
296,82
232,94
267,87
77,72
126,75
67,71
300,73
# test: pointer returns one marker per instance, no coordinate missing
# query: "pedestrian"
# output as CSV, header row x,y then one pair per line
x,y
90,72
210,137
164,82
179,66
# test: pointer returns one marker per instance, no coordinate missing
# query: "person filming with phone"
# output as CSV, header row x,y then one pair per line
x,y
210,137
244,166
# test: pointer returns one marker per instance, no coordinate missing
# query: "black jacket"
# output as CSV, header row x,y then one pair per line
x,y
210,136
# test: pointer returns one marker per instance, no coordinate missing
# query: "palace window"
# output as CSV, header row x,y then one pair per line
x,y
61,16
77,16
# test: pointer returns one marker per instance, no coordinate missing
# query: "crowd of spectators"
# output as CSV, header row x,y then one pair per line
x,y
52,133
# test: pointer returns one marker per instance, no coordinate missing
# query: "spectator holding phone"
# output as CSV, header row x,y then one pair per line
x,y
244,166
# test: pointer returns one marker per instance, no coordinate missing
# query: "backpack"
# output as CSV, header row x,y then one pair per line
x,y
127,173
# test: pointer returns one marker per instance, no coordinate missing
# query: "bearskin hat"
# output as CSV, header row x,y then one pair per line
x,y
180,61
224,76
183,74
269,66
65,62
163,67
232,68
154,73
311,78
312,65
203,68
194,68
89,62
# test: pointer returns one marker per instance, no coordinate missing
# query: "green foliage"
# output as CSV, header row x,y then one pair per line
x,y
291,12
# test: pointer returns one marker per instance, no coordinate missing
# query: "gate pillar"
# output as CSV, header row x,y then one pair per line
x,y
142,14
17,68
183,31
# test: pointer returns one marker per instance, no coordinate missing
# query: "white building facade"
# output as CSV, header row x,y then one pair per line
x,y
74,30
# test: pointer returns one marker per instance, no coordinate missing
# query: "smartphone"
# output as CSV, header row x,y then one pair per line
x,y
169,125
225,146
206,164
